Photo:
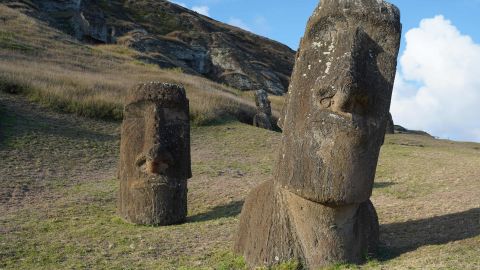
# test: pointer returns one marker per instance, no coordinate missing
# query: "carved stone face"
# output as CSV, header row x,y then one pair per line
x,y
338,102
164,133
155,135
155,155
262,102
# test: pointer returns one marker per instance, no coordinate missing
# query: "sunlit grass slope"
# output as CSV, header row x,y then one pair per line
x,y
51,68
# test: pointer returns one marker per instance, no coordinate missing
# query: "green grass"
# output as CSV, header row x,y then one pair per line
x,y
81,230
92,108
73,223
160,22
10,41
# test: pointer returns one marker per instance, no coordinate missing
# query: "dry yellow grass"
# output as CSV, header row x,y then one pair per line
x,y
53,69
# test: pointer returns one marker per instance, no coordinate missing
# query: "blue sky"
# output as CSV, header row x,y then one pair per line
x,y
285,20
437,88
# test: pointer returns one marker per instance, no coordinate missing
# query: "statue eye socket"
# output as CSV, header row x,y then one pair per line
x,y
326,102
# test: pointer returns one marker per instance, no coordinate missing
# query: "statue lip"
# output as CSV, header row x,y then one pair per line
x,y
353,123
342,115
325,115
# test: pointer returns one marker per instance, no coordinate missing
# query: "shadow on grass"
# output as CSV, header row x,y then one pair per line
x,y
382,184
222,211
19,116
399,238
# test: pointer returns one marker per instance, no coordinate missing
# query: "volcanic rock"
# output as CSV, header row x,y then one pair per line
x,y
155,155
171,36
263,118
390,129
316,210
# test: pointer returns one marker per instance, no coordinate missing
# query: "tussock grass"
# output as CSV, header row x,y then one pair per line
x,y
56,71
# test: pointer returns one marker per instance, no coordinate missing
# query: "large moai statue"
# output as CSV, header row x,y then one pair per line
x,y
317,209
155,155
263,117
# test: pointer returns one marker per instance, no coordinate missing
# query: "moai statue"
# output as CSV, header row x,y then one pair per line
x,y
264,111
155,155
317,209
390,129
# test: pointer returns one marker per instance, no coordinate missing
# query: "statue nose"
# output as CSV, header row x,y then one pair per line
x,y
341,102
351,96
350,99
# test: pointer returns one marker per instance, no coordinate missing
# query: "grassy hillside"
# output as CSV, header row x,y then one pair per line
x,y
172,36
57,171
58,198
51,68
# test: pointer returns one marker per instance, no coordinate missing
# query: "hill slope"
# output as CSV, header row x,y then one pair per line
x,y
170,36
54,69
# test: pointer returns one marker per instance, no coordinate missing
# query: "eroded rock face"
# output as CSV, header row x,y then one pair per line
x,y
264,111
82,18
339,101
90,25
317,208
155,155
277,226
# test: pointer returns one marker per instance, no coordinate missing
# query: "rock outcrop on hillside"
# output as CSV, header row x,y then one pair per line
x,y
172,37
401,130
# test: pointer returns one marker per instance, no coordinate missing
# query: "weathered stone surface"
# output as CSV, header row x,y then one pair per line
x,y
155,155
90,24
83,19
277,226
317,208
338,101
263,118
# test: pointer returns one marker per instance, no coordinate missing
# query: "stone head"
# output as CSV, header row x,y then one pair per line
x,y
155,131
338,101
262,102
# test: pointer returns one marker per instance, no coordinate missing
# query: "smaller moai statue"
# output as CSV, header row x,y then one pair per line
x,y
264,111
155,155
390,125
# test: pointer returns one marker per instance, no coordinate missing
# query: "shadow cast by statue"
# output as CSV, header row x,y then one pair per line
x,y
383,184
399,238
222,211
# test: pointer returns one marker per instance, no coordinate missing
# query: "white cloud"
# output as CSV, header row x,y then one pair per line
x,y
239,23
437,88
204,10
